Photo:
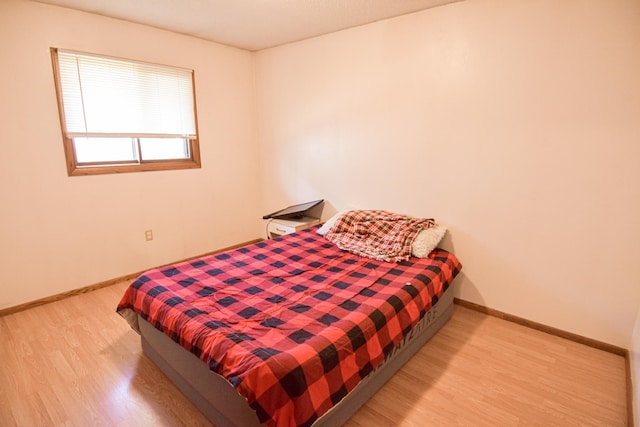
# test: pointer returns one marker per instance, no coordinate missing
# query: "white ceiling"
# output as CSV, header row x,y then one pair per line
x,y
251,24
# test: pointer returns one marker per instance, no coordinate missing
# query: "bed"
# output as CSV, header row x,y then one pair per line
x,y
288,331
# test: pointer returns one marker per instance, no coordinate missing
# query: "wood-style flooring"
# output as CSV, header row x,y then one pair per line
x,y
76,362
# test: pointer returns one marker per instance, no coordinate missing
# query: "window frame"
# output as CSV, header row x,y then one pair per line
x,y
141,165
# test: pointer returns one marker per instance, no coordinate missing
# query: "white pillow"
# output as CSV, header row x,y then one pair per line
x,y
329,223
427,240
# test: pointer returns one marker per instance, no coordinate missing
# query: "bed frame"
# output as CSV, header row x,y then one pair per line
x,y
225,407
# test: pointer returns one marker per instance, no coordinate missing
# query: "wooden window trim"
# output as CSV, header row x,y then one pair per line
x,y
74,169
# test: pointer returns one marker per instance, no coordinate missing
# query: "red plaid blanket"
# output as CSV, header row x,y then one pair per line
x,y
380,235
293,323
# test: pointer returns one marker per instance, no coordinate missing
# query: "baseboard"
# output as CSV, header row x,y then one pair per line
x,y
544,328
567,335
630,393
85,289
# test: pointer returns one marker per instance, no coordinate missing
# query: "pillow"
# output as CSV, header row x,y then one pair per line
x,y
329,223
427,240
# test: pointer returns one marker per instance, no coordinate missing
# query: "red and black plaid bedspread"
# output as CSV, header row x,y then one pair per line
x,y
293,323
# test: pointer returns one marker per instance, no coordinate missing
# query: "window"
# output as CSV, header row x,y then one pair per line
x,y
124,116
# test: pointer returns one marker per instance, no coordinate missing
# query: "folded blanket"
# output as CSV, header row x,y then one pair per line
x,y
381,235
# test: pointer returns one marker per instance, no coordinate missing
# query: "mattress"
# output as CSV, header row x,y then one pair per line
x,y
290,326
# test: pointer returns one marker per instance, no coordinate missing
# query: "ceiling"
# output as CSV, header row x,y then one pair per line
x,y
251,24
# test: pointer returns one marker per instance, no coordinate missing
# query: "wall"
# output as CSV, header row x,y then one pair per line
x,y
515,124
635,367
60,233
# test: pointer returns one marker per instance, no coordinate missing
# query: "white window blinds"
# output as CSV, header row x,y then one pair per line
x,y
103,96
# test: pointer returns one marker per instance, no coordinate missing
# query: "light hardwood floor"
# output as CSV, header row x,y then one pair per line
x,y
75,362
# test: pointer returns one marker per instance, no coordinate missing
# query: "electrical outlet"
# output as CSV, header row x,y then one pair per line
x,y
148,235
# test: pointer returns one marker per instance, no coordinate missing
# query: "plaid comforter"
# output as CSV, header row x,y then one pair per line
x,y
293,323
380,235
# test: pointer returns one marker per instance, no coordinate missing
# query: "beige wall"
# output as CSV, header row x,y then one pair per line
x,y
60,233
515,124
635,367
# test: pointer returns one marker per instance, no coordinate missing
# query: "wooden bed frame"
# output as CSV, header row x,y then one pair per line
x,y
224,406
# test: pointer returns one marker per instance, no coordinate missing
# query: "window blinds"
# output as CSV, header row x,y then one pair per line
x,y
105,96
